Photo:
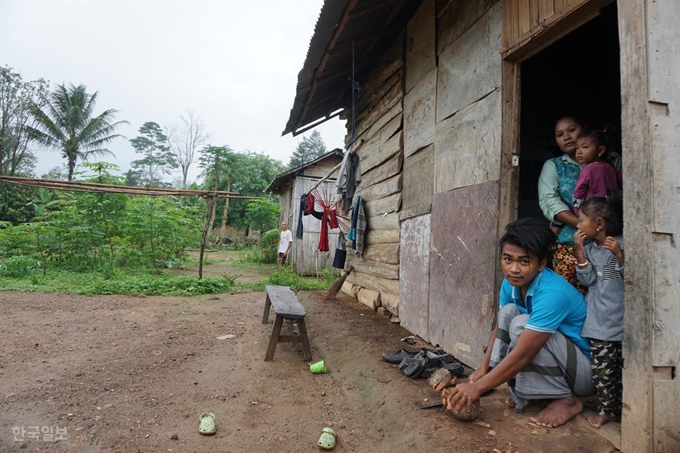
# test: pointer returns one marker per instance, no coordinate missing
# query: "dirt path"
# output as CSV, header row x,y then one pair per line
x,y
133,375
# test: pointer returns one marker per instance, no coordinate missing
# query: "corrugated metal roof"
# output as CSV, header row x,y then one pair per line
x,y
370,27
282,178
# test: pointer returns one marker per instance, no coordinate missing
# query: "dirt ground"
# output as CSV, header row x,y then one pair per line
x,y
126,374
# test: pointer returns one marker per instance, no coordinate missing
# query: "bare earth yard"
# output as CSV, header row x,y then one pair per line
x,y
129,374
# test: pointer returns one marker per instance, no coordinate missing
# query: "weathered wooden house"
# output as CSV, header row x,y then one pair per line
x,y
457,106
305,257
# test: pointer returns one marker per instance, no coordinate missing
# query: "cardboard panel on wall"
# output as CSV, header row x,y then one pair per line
x,y
414,286
468,146
470,68
419,114
463,269
418,184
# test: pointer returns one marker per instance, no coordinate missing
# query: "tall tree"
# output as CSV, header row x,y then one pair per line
x,y
246,173
185,139
17,98
307,150
158,159
66,123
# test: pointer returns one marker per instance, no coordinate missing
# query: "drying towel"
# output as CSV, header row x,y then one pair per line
x,y
340,253
349,178
298,230
360,230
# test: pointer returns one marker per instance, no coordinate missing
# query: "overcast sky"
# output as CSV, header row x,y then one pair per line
x,y
235,63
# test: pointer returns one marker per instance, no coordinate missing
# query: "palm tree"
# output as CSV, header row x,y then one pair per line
x,y
66,123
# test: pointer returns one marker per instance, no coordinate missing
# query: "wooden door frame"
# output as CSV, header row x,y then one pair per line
x,y
637,423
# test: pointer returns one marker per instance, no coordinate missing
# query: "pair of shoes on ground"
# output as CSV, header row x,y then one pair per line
x,y
423,363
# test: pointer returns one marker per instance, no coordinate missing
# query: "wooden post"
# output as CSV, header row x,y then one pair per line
x,y
223,228
209,208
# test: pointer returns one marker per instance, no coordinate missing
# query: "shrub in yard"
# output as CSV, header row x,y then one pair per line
x,y
19,266
268,246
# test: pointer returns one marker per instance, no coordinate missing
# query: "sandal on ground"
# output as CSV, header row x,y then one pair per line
x,y
413,367
398,356
207,423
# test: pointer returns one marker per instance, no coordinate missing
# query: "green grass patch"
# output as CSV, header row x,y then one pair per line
x,y
286,277
96,283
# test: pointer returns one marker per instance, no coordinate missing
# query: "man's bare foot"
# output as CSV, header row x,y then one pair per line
x,y
599,420
558,412
509,402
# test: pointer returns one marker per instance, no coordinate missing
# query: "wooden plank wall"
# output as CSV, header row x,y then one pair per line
x,y
306,259
522,17
379,116
663,90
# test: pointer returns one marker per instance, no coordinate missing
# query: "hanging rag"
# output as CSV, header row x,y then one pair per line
x,y
352,234
349,178
340,253
323,235
360,228
309,203
298,230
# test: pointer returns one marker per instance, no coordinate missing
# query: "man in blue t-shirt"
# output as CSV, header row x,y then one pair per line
x,y
537,346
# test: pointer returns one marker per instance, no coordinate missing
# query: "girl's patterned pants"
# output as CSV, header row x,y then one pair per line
x,y
607,362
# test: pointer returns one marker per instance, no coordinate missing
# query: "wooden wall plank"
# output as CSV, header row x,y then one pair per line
x,y
420,50
456,17
382,172
664,89
418,183
377,268
384,253
384,205
419,114
467,146
391,128
383,285
637,418
524,16
471,69
546,8
388,187
374,236
462,270
414,284
666,416
384,222
374,155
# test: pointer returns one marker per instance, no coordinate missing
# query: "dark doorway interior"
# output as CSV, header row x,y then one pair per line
x,y
578,75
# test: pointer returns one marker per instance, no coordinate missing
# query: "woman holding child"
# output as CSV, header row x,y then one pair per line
x,y
556,186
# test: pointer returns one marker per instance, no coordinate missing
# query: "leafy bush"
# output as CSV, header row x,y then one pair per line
x,y
19,266
268,246
96,283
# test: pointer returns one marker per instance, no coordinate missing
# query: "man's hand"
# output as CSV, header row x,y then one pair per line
x,y
461,397
478,374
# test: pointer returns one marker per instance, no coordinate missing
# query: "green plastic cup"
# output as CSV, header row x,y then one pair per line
x,y
318,367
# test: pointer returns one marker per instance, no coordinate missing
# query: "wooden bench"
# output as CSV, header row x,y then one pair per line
x,y
286,306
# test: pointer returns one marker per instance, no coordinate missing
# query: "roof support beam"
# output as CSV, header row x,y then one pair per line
x,y
338,31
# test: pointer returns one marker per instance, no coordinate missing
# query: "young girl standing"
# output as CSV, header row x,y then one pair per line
x,y
598,176
599,266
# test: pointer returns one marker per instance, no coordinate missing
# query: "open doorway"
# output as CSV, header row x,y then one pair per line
x,y
577,75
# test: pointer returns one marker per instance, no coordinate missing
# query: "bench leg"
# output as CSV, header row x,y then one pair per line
x,y
267,305
274,338
305,340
